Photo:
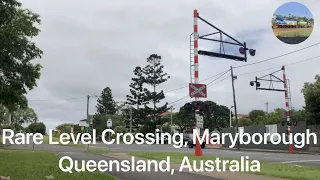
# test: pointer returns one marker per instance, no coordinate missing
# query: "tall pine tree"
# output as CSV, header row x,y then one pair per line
x,y
137,96
154,76
106,103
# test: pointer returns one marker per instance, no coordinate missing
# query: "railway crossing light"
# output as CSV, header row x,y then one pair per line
x,y
252,52
188,107
257,83
243,51
289,123
195,106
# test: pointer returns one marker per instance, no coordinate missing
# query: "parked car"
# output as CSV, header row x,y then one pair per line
x,y
188,138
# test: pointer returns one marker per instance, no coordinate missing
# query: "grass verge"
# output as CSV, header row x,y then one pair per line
x,y
266,168
56,139
37,165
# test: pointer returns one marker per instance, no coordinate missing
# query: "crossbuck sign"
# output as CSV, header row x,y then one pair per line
x,y
197,90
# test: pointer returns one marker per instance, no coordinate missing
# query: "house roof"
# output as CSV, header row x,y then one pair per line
x,y
164,114
243,115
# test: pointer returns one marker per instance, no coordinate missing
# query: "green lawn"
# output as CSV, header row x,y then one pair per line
x,y
56,139
269,169
36,165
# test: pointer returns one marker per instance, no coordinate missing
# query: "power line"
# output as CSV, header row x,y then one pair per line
x,y
289,64
265,60
189,96
200,81
277,56
219,76
66,99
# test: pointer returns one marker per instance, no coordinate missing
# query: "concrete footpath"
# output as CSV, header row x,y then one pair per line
x,y
219,175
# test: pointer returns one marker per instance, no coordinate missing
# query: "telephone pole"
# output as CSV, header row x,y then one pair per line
x,y
88,120
130,119
235,104
267,106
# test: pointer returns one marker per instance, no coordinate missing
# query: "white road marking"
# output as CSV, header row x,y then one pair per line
x,y
288,162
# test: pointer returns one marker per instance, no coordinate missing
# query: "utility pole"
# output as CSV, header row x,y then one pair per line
x,y
171,120
88,120
130,119
267,106
235,105
231,116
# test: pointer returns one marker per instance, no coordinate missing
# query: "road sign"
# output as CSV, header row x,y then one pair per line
x,y
197,90
109,123
199,120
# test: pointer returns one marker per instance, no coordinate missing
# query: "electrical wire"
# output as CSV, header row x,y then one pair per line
x,y
297,62
219,77
66,99
200,81
289,64
189,96
265,60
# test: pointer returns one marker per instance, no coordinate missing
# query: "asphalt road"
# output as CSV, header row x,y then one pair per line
x,y
298,159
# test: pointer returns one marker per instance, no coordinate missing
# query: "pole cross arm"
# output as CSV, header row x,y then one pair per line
x,y
222,54
272,79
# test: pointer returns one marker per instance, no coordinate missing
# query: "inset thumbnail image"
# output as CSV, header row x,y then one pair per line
x,y
292,23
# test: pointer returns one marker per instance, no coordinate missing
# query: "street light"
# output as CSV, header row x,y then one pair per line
x,y
231,116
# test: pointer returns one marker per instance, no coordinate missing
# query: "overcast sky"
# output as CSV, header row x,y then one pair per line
x,y
89,45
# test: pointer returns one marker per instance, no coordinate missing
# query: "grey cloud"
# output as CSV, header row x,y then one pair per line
x,y
91,45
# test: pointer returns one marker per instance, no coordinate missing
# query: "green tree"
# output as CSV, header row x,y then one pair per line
x,y
3,115
183,119
154,76
214,115
256,115
65,127
21,116
299,115
137,98
311,92
106,103
37,128
18,74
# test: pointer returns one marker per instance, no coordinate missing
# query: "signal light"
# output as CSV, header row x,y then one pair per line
x,y
255,82
252,52
289,123
243,50
188,107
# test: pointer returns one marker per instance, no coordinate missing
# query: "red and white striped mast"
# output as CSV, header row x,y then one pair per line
x,y
287,106
196,57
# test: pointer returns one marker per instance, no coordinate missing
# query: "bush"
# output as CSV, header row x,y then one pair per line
x,y
37,128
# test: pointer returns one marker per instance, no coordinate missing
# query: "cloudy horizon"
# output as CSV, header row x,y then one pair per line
x,y
92,45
